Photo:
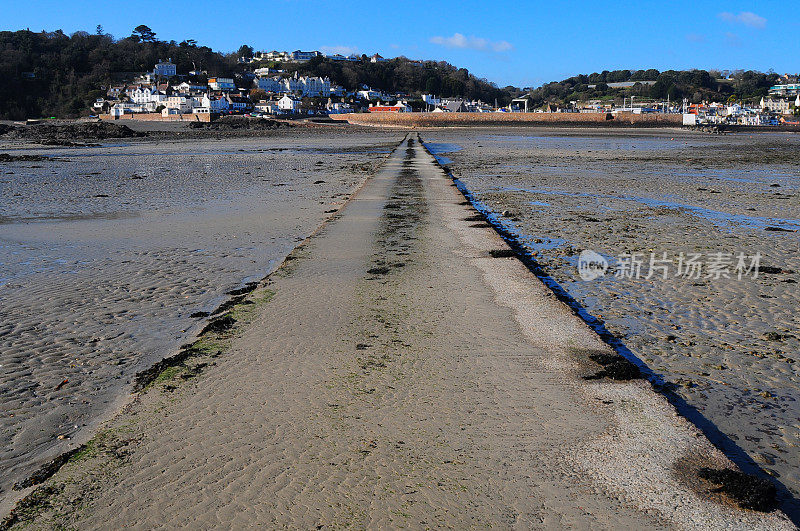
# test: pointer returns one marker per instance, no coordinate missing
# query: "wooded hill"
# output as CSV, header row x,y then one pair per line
x,y
696,85
53,74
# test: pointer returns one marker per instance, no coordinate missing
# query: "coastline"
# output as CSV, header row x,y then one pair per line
x,y
545,330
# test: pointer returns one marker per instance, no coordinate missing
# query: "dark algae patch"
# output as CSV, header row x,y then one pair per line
x,y
29,505
749,491
247,288
149,375
502,253
771,270
219,325
5,157
615,367
227,305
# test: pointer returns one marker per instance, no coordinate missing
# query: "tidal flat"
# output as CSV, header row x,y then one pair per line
x,y
112,254
728,348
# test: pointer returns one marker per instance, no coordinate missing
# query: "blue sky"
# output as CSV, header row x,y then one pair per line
x,y
521,43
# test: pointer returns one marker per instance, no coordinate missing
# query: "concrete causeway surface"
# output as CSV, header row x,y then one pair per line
x,y
399,373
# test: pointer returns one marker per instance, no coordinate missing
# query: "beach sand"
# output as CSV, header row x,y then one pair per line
x,y
107,251
399,370
729,348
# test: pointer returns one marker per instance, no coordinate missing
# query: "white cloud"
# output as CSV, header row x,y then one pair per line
x,y
341,50
746,18
472,43
695,37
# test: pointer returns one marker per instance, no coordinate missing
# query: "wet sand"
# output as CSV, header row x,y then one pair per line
x,y
730,348
399,370
106,253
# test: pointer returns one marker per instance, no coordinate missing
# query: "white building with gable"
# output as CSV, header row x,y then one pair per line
x,y
165,69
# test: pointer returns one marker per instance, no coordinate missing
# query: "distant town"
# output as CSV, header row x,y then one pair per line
x,y
165,93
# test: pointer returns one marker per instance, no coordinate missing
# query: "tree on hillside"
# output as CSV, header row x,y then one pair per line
x,y
143,33
245,51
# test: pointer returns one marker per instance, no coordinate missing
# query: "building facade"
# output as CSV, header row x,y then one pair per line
x,y
165,69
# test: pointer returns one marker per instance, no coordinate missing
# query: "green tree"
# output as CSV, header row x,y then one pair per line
x,y
144,33
245,51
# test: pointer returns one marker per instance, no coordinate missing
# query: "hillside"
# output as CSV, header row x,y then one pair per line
x,y
54,74
695,85
406,76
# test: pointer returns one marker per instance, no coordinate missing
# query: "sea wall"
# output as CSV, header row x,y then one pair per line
x,y
158,117
428,119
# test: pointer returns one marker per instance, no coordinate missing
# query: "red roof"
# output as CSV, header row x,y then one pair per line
x,y
386,108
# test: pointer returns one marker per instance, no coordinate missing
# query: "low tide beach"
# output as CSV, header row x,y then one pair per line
x,y
390,362
106,252
728,347
400,369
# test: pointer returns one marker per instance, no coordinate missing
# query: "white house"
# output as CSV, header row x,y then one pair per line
x,y
314,86
271,84
125,108
191,87
306,85
339,108
301,57
369,94
264,71
239,103
181,103
142,94
165,69
733,110
267,107
778,105
272,56
288,104
215,104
